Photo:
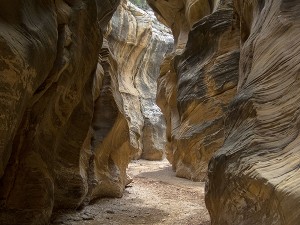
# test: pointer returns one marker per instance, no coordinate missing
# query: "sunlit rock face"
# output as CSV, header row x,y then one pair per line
x,y
254,178
138,43
198,80
126,123
110,144
48,85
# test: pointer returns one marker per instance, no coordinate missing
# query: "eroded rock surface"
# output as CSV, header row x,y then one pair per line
x,y
126,121
138,43
254,178
198,80
48,85
74,107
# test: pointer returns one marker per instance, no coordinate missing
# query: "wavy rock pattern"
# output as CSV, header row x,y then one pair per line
x,y
139,44
111,148
254,178
68,126
197,80
48,86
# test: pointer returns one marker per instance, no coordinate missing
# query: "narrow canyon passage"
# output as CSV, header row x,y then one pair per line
x,y
206,90
155,196
137,44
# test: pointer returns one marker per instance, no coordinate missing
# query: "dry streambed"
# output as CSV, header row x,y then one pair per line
x,y
155,196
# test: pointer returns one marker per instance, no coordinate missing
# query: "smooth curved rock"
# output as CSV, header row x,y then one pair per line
x,y
139,43
66,135
197,81
126,121
110,147
48,58
254,178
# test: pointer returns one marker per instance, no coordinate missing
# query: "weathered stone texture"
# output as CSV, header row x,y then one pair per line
x,y
110,148
70,117
197,80
139,44
254,178
48,58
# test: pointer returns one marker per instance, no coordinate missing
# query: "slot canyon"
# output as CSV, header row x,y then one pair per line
x,y
150,112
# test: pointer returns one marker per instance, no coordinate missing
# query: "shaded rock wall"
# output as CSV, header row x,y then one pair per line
x,y
198,80
254,178
48,86
138,43
110,147
73,113
126,122
253,134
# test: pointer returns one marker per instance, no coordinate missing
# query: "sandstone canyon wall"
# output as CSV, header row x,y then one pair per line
x,y
126,123
48,84
253,142
198,80
254,178
78,101
138,43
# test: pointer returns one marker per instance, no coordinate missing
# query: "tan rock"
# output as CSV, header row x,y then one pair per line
x,y
139,44
254,178
68,126
126,121
197,80
48,58
180,16
110,148
166,100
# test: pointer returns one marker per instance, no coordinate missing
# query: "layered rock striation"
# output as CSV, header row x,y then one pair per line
x,y
138,43
48,86
126,123
254,177
76,103
198,80
252,132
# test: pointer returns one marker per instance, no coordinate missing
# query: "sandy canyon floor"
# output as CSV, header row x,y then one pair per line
x,y
155,196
